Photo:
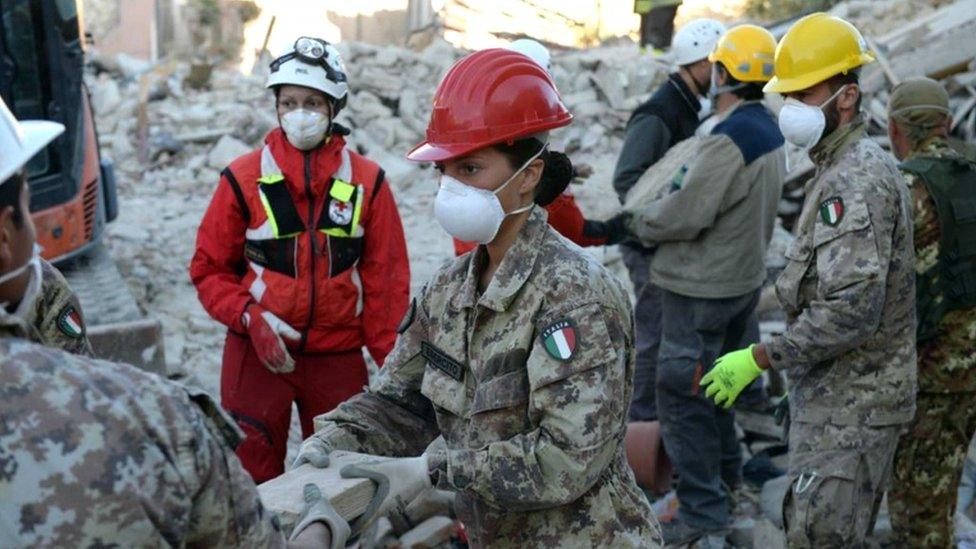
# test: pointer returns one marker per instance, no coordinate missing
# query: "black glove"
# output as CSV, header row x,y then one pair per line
x,y
617,228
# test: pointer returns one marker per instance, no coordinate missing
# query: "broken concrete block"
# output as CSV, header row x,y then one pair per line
x,y
283,495
226,151
767,535
430,533
771,499
106,96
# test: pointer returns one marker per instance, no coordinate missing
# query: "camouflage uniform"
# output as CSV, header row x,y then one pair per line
x,y
849,348
100,454
930,457
57,314
529,382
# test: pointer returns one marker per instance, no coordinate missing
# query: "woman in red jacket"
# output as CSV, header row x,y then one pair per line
x,y
301,254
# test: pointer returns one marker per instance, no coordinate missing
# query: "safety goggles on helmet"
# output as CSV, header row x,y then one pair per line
x,y
313,51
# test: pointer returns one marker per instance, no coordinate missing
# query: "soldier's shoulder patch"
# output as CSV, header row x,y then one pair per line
x,y
408,317
70,322
832,210
559,339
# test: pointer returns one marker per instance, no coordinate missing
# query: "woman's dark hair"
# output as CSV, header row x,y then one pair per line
x,y
556,175
750,91
10,191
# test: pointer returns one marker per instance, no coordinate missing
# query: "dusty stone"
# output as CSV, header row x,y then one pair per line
x,y
767,536
225,151
771,499
429,534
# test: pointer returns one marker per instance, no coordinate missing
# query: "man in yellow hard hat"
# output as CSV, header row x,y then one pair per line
x,y
930,456
711,234
849,292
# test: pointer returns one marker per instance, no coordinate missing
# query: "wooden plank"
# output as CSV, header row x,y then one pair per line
x,y
283,495
430,533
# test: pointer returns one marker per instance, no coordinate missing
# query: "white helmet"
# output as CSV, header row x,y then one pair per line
x,y
694,41
534,51
20,141
313,63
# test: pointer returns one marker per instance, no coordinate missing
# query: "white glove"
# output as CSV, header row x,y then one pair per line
x,y
319,509
398,482
314,451
266,331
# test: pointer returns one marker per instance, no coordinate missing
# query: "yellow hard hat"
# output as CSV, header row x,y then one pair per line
x,y
746,51
816,48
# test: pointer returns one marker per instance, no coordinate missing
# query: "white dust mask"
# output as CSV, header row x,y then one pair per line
x,y
304,129
33,286
471,214
802,124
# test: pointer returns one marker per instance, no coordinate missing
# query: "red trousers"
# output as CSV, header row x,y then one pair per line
x,y
260,401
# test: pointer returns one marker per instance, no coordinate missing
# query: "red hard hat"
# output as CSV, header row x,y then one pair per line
x,y
488,97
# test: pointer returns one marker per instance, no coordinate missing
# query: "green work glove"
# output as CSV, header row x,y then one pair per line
x,y
730,375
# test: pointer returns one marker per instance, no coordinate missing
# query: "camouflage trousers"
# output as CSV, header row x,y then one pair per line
x,y
837,478
928,466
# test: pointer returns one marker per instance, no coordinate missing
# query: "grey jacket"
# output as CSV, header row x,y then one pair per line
x,y
712,231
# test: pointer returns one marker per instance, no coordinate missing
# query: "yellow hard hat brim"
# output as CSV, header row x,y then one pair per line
x,y
808,80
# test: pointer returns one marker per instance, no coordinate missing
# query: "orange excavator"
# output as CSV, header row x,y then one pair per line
x,y
73,194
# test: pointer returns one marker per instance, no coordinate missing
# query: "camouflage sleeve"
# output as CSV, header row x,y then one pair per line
x,y
391,418
577,388
59,317
227,511
698,191
852,247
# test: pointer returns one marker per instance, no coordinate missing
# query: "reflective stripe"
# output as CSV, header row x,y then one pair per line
x,y
344,173
268,164
258,287
264,232
358,282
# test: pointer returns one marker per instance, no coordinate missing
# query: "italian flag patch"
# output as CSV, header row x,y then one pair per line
x,y
559,339
70,324
832,210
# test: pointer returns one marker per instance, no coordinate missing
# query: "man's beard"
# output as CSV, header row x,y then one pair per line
x,y
832,116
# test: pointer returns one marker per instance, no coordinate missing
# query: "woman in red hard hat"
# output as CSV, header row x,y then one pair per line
x,y
520,354
558,200
301,254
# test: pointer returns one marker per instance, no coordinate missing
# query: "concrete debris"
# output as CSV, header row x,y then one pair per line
x,y
225,151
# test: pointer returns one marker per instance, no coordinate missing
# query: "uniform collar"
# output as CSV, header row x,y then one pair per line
x,y
14,326
325,158
516,266
933,146
838,141
690,99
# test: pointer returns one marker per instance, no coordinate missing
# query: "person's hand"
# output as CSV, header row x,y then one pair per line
x,y
398,482
314,451
582,171
617,228
318,509
266,331
730,375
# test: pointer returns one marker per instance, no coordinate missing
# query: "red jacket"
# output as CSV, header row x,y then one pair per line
x,y
330,260
564,216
